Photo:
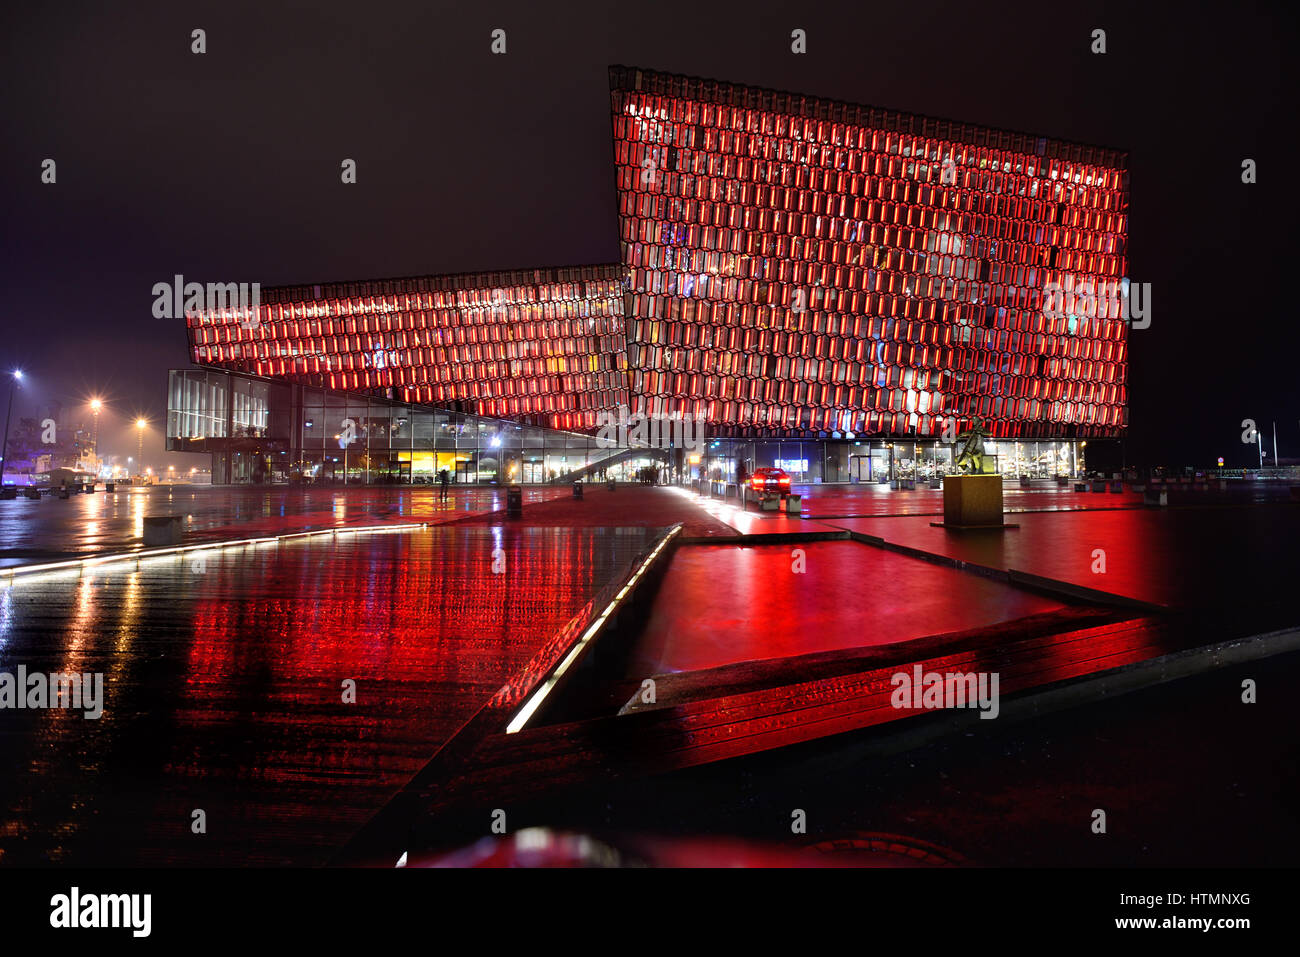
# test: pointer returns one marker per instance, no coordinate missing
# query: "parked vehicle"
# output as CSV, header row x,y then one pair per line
x,y
767,482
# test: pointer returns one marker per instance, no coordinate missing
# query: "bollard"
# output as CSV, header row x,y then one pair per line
x,y
162,530
514,502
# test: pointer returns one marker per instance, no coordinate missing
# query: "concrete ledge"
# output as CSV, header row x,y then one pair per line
x,y
1063,589
162,530
920,730
975,528
972,500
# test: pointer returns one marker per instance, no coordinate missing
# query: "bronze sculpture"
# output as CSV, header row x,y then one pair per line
x,y
972,448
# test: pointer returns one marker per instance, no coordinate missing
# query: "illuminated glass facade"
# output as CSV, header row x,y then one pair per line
x,y
800,266
834,289
541,345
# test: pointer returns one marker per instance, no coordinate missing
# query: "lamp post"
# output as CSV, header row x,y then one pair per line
x,y
17,377
140,424
95,406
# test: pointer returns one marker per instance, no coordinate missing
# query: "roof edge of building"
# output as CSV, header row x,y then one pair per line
x,y
813,102
482,279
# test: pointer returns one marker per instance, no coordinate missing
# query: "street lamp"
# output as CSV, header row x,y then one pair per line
x,y
17,376
95,406
140,425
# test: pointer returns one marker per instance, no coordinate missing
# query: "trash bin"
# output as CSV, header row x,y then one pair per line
x,y
577,490
514,502
110,487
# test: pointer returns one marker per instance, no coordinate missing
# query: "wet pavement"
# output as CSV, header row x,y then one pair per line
x,y
224,671
821,501
224,685
51,528
1183,557
721,605
630,505
1188,777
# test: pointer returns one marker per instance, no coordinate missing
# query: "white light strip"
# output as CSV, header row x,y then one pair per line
x,y
79,563
538,696
718,508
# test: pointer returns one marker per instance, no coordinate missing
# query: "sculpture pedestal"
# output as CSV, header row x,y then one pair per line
x,y
972,501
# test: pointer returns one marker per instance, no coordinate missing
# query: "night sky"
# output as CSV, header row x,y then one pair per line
x,y
225,167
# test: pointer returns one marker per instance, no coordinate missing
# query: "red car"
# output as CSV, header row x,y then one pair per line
x,y
769,481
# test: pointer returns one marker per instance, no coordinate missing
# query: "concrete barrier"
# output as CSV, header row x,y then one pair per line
x,y
793,505
1117,486
1098,485
972,500
162,530
1155,497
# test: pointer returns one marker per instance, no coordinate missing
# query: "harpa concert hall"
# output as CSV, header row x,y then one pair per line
x,y
828,288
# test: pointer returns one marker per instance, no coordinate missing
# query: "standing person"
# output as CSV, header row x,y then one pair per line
x,y
742,475
444,481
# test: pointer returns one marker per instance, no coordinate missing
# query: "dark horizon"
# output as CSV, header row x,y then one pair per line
x,y
225,167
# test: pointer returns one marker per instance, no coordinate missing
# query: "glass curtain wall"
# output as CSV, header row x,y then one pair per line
x,y
262,431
